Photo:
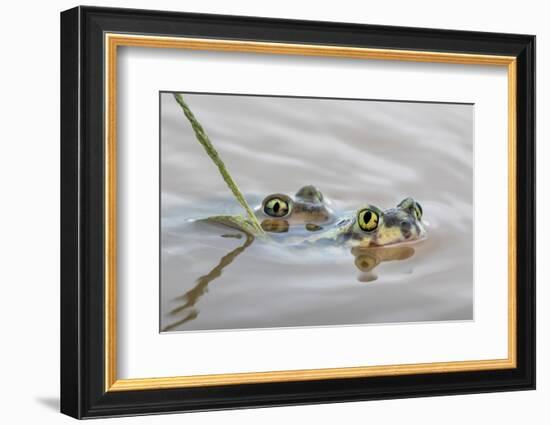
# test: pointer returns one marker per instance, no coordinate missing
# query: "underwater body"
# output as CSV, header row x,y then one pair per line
x,y
217,276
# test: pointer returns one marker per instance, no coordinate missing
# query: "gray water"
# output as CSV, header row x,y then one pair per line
x,y
355,151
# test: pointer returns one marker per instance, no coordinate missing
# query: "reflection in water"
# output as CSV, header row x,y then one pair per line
x,y
368,258
275,226
191,297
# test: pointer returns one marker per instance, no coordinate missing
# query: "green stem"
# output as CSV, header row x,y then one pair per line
x,y
203,139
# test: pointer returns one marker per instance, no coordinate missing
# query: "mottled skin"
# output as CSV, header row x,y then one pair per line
x,y
366,227
395,225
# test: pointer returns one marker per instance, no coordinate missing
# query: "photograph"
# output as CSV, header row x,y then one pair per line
x,y
280,212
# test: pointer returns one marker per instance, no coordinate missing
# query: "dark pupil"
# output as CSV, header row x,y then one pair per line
x,y
276,207
367,217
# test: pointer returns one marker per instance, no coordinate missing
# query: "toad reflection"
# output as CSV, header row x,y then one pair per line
x,y
366,259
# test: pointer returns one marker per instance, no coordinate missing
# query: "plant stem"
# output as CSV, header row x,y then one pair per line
x,y
204,140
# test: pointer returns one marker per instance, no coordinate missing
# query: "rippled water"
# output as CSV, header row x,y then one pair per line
x,y
355,152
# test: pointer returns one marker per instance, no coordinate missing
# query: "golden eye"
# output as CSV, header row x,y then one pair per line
x,y
417,211
277,207
367,220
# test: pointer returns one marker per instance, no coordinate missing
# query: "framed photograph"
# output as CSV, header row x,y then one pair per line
x,y
261,212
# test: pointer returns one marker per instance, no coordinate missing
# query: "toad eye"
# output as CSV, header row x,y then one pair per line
x,y
277,206
417,209
367,220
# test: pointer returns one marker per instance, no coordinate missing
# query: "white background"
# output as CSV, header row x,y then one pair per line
x,y
29,171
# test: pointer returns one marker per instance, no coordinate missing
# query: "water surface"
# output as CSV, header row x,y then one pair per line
x,y
355,152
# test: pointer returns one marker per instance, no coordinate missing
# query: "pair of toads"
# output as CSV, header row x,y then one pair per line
x,y
308,211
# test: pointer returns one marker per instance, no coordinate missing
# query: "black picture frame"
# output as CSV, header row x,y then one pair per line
x,y
83,392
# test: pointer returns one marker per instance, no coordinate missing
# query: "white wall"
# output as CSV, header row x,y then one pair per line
x,y
29,208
